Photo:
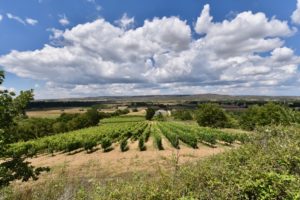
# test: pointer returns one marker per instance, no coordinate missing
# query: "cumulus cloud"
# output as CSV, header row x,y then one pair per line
x,y
296,14
64,21
100,58
1,17
27,21
204,20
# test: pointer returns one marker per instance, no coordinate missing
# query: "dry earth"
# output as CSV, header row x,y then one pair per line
x,y
116,162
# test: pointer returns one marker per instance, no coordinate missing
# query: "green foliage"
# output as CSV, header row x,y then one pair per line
x,y
211,115
142,146
89,144
146,133
268,167
93,116
106,144
13,167
170,135
84,138
182,115
159,117
228,138
267,114
157,138
123,145
122,119
33,128
270,185
149,113
73,145
187,136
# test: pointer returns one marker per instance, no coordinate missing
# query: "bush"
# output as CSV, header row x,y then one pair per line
x,y
123,145
71,146
89,144
211,115
106,144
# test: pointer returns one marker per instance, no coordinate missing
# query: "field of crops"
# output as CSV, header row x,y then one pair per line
x,y
120,130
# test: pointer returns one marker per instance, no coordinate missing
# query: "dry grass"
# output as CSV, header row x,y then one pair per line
x,y
116,162
141,112
53,113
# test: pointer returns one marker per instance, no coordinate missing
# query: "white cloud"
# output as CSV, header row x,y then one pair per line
x,y
31,21
125,22
27,21
1,17
14,17
64,20
204,20
243,55
296,14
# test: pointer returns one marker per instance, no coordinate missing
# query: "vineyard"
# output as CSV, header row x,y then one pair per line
x,y
120,130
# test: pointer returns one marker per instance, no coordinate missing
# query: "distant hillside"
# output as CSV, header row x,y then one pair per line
x,y
175,98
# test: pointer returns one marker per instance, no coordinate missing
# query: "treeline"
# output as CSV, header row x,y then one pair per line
x,y
33,128
212,115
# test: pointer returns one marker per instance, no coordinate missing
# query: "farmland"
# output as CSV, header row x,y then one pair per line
x,y
116,130
125,156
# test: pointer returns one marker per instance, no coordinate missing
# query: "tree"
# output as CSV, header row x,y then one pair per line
x,y
150,113
14,166
267,114
93,116
182,115
211,115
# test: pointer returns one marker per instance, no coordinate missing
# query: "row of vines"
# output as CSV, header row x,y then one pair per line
x,y
109,133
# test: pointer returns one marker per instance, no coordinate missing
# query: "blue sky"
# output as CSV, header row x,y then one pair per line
x,y
27,26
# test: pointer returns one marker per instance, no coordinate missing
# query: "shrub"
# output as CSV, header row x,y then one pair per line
x,y
89,144
228,138
123,145
73,145
208,138
106,144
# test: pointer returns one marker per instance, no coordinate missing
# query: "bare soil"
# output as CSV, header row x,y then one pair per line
x,y
116,162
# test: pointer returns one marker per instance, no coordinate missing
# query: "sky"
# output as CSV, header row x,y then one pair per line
x,y
85,48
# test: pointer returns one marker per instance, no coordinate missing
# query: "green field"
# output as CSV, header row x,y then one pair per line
x,y
118,129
